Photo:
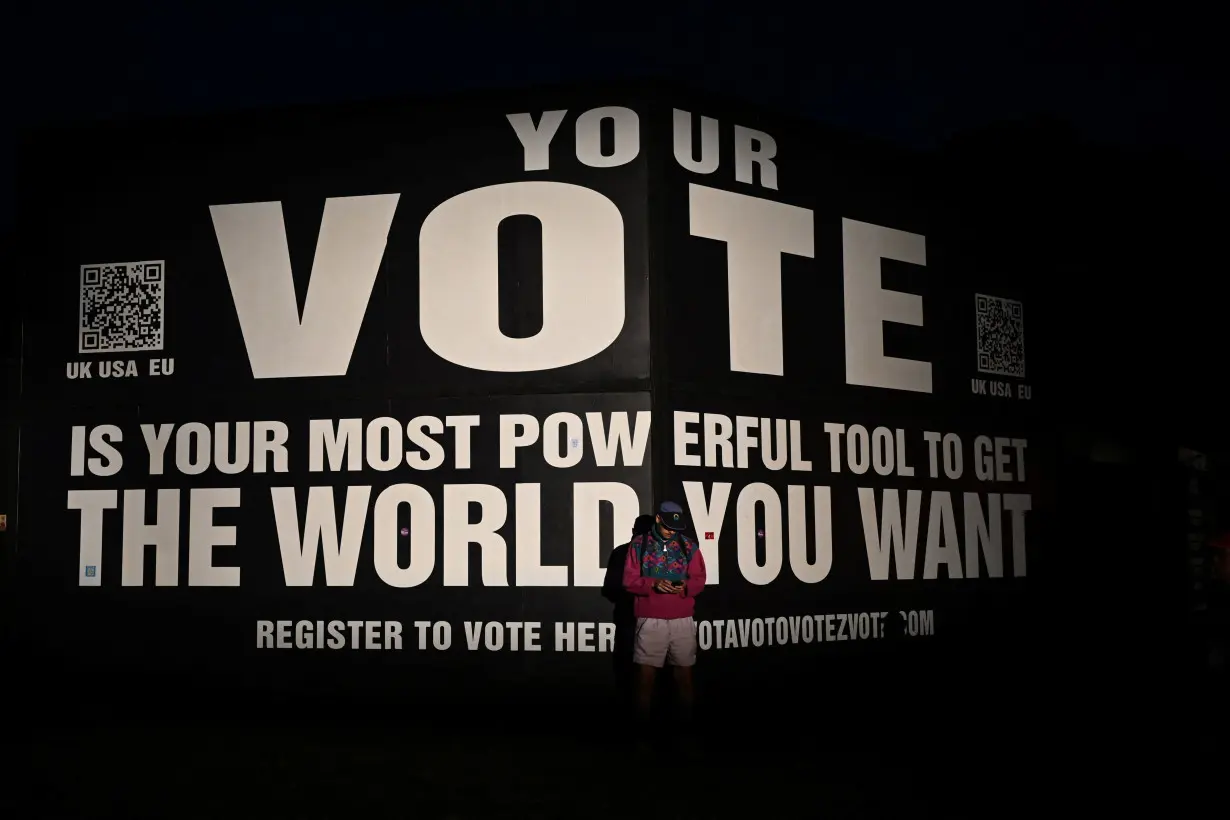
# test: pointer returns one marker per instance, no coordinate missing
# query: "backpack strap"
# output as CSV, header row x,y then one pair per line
x,y
639,544
689,549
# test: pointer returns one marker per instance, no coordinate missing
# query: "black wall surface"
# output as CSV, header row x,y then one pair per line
x,y
978,626
775,617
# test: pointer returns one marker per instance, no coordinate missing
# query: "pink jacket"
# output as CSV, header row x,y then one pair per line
x,y
649,603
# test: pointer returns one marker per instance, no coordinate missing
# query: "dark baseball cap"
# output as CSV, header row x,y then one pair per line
x,y
672,515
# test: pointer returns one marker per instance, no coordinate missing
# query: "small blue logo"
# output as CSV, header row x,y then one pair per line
x,y
91,571
576,442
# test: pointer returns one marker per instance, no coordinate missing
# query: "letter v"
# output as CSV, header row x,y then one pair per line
x,y
252,238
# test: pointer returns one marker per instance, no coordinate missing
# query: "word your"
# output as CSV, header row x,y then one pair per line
x,y
752,148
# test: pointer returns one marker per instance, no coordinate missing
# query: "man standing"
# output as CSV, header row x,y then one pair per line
x,y
665,572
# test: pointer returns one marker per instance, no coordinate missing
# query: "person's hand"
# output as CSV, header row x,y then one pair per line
x,y
665,587
682,589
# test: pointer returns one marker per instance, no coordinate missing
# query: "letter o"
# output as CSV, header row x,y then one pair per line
x,y
422,535
441,634
582,277
882,456
858,449
193,448
953,466
757,632
573,430
745,533
627,137
379,432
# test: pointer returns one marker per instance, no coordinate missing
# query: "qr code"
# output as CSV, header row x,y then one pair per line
x,y
122,307
1001,336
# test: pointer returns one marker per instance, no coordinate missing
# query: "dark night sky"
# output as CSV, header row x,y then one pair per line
x,y
915,73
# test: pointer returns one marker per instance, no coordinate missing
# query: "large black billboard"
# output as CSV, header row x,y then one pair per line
x,y
363,401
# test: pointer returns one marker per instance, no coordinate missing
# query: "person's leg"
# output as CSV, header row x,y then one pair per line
x,y
683,687
646,677
649,654
682,656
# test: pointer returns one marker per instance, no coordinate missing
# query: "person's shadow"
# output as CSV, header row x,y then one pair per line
x,y
624,618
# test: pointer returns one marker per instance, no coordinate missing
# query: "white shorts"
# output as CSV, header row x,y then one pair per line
x,y
659,640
